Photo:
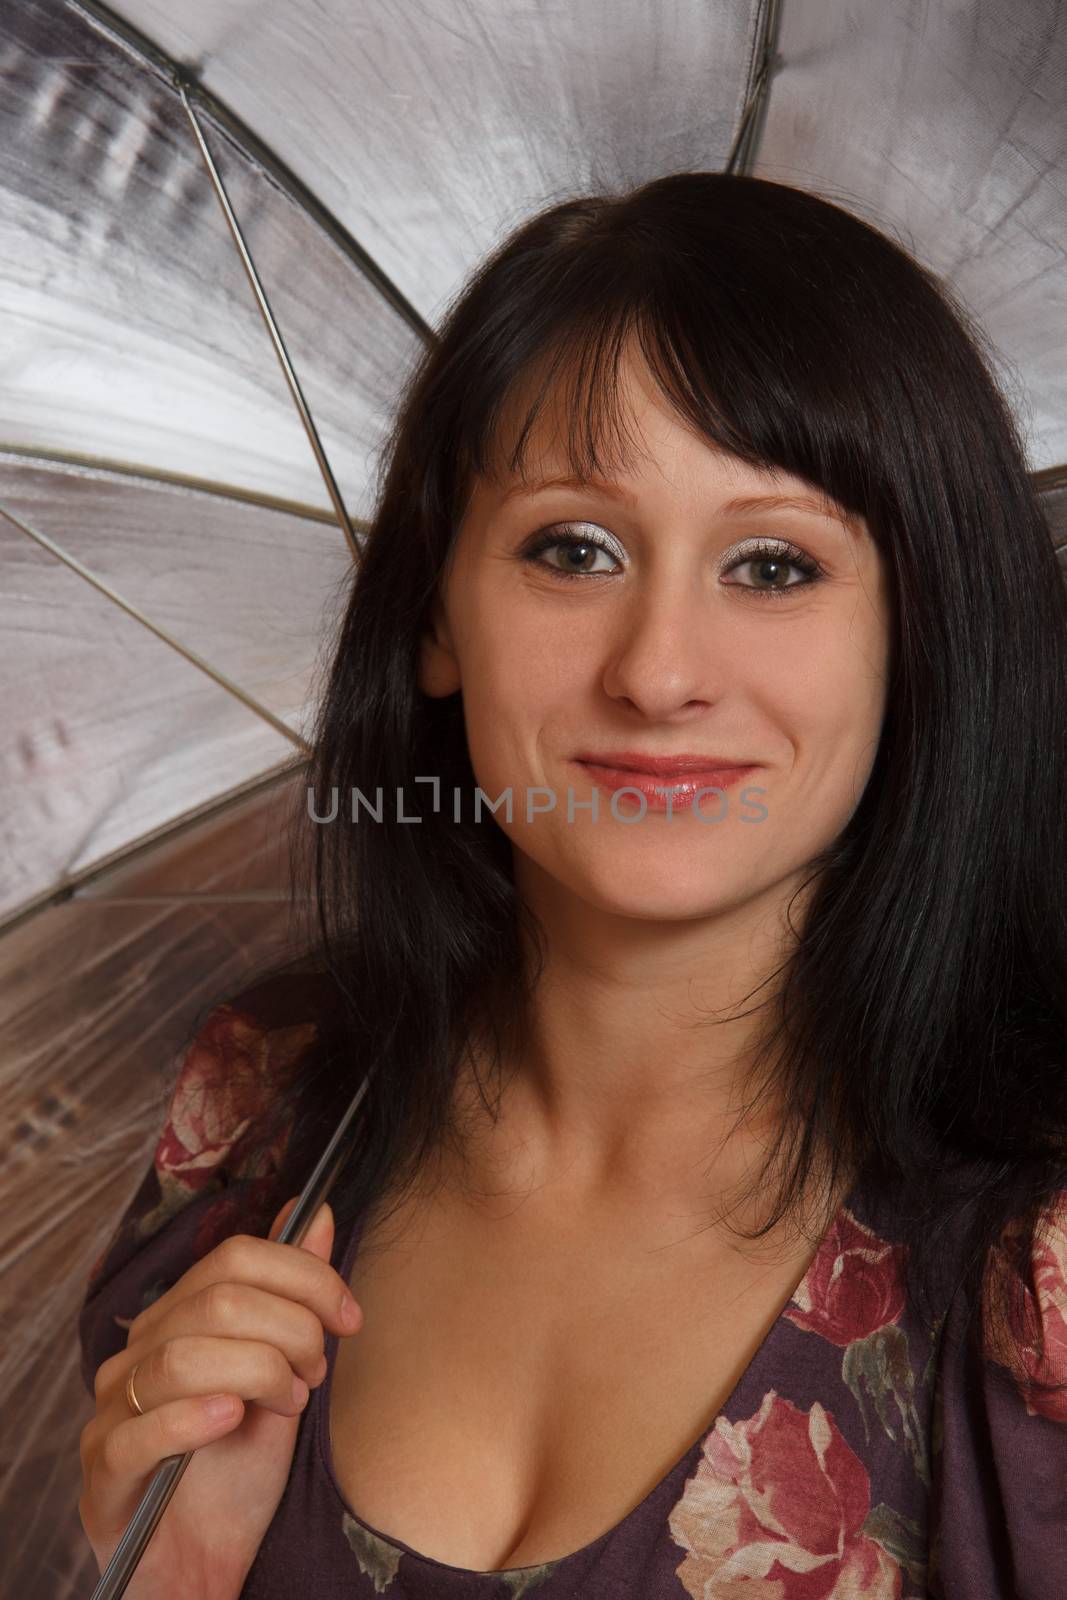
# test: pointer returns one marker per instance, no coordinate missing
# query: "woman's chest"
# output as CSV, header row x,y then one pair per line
x,y
518,1388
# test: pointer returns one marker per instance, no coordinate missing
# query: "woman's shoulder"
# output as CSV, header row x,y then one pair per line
x,y
1000,1426
224,1134
1026,1283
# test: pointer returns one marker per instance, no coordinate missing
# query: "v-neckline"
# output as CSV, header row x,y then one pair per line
x,y
321,1424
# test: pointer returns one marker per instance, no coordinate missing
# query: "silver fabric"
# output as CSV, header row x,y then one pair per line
x,y
128,328
110,734
946,125
429,127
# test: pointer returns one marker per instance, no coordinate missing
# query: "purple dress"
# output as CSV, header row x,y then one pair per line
x,y
862,1456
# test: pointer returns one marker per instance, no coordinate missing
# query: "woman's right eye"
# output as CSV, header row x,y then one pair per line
x,y
579,555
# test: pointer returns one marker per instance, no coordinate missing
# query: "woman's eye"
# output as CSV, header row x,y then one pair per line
x,y
771,564
578,555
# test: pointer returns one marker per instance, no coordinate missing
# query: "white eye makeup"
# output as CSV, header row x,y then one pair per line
x,y
587,552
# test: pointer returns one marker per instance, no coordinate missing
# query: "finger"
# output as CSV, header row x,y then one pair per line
x,y
318,1236
302,1274
282,1218
191,1365
321,1224
240,1311
114,1476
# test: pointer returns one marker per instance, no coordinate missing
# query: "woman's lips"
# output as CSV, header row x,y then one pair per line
x,y
684,785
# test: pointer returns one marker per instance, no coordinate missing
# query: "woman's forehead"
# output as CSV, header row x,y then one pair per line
x,y
548,461
571,420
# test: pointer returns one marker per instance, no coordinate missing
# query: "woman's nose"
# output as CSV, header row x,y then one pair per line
x,y
666,649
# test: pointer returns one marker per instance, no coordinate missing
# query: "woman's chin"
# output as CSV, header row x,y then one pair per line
x,y
663,897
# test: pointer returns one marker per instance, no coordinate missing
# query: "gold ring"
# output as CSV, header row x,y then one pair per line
x,y
135,1405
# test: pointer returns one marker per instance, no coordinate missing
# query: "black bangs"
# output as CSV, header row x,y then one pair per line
x,y
577,382
574,378
746,386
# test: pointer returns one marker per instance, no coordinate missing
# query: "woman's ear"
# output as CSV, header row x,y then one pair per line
x,y
438,673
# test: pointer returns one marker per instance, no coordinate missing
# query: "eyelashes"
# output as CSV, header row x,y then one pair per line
x,y
777,553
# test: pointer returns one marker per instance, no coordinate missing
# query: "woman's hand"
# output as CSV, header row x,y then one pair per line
x,y
245,1324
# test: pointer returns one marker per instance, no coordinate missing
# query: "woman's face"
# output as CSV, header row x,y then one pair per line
x,y
663,633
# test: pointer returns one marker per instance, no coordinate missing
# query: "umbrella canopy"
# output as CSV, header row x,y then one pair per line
x,y
172,562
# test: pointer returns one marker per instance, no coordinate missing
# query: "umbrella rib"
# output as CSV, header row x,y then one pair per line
x,y
272,327
46,458
208,811
138,615
742,155
134,42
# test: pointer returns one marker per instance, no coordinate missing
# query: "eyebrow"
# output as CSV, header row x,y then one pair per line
x,y
786,502
599,484
741,505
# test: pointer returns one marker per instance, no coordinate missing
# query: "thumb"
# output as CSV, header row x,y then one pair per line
x,y
318,1236
282,1217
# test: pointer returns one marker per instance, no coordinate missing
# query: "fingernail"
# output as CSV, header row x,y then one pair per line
x,y
300,1392
349,1311
219,1407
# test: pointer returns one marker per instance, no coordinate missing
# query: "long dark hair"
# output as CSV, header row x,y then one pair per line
x,y
919,1025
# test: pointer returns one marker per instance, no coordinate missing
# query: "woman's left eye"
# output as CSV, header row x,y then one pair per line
x,y
777,555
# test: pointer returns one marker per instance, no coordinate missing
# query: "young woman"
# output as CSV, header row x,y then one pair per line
x,y
707,1221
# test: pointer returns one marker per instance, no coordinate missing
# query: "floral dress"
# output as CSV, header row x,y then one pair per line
x,y
863,1455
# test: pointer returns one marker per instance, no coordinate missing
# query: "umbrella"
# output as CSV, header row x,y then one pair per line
x,y
173,556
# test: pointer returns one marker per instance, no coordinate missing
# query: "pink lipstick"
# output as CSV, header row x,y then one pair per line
x,y
684,774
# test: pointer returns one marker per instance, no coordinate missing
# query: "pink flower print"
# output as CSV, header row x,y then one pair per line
x,y
853,1296
229,1080
853,1287
1040,1318
776,1511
